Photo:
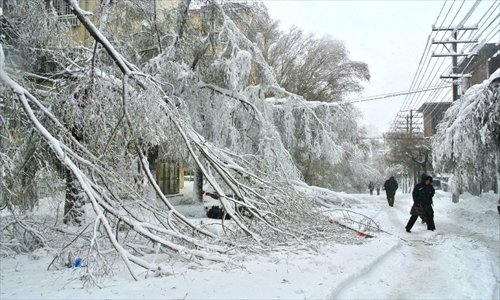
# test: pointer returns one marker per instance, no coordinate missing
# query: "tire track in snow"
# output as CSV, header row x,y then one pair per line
x,y
353,279
365,272
393,214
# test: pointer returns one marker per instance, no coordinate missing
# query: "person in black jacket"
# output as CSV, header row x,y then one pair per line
x,y
390,187
371,187
422,203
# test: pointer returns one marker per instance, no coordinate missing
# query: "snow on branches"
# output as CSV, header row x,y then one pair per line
x,y
102,116
467,142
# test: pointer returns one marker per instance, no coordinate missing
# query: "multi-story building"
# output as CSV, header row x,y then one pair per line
x,y
479,67
433,113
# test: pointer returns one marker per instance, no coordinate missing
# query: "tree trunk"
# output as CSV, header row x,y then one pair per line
x,y
456,194
73,205
198,185
495,183
181,23
74,201
152,155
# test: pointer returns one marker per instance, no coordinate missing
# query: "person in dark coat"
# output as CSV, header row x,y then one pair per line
x,y
371,187
390,187
422,203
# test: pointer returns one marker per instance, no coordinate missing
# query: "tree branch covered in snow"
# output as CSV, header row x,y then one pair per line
x,y
467,142
97,116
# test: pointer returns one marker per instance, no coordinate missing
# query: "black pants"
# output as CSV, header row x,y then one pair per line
x,y
411,222
390,199
429,219
430,223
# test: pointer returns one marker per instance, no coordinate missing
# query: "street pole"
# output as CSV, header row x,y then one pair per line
x,y
454,61
454,41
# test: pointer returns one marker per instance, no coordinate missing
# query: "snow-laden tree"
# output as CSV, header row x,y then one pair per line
x,y
377,163
319,69
467,142
40,61
98,114
325,142
226,67
410,152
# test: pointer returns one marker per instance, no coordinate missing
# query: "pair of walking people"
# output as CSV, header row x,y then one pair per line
x,y
422,203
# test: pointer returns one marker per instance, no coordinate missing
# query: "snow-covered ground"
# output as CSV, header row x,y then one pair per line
x,y
459,260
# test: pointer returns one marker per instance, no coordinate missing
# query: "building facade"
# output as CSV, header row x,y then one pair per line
x,y
479,67
433,113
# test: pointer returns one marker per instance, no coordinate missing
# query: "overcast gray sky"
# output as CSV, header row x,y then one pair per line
x,y
389,36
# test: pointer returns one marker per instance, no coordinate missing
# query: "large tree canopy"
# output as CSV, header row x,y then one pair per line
x,y
319,69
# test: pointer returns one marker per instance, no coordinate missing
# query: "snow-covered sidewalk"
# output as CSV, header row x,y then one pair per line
x,y
459,260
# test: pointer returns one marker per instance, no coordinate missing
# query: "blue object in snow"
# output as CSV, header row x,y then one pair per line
x,y
77,263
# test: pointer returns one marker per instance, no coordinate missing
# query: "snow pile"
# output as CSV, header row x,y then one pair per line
x,y
480,212
325,197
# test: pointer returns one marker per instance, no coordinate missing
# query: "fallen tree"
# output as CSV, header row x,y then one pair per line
x,y
134,225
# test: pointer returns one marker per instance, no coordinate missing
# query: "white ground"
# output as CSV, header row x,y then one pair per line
x,y
460,260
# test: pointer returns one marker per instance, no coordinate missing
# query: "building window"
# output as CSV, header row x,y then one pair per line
x,y
64,12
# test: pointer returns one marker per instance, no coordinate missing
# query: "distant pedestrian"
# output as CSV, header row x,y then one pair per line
x,y
378,190
390,187
371,186
422,203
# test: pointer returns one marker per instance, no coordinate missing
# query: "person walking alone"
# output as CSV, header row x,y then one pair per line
x,y
390,187
422,203
371,187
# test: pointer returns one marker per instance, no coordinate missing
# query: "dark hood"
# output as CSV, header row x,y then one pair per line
x,y
424,177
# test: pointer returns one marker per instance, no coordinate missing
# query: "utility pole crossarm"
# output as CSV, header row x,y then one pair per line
x,y
449,41
455,76
451,28
451,54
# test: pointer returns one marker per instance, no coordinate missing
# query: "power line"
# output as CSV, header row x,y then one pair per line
x,y
432,75
425,78
394,94
425,58
379,97
433,112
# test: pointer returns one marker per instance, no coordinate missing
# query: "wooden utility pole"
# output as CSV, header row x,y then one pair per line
x,y
411,122
454,61
407,123
453,53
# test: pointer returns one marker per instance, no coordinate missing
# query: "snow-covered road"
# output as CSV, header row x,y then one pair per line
x,y
459,260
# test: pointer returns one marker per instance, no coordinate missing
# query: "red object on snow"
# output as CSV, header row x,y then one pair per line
x,y
361,234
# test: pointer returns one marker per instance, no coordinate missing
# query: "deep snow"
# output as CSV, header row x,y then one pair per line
x,y
459,260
